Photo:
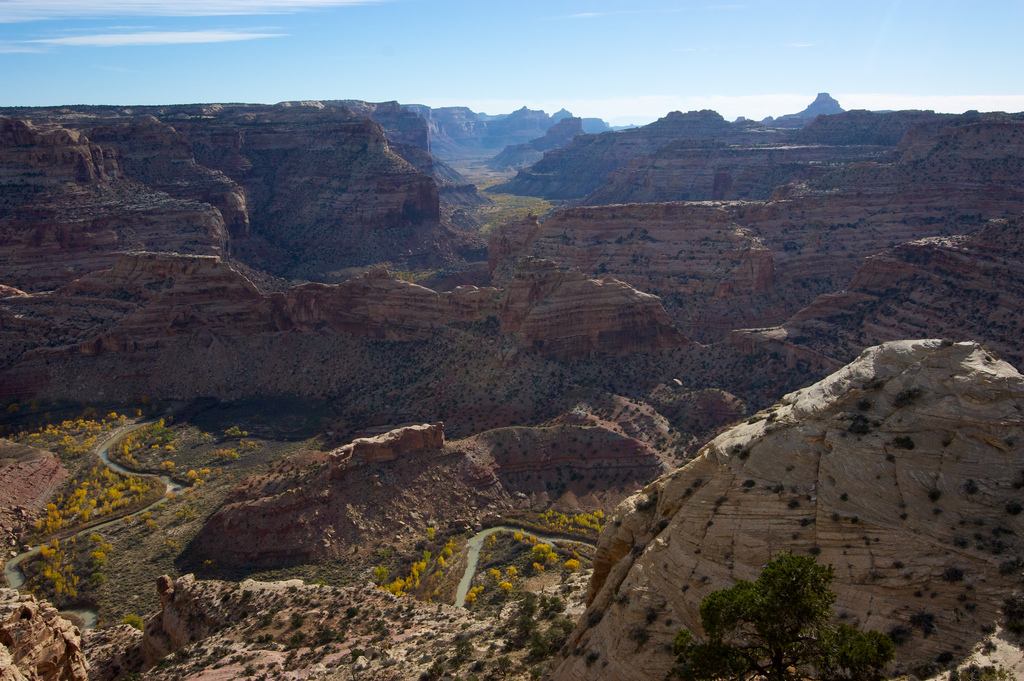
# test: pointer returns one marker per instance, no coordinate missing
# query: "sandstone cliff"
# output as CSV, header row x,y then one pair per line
x,y
304,188
726,265
528,153
580,167
67,208
37,643
328,505
29,477
569,315
958,287
901,470
146,299
709,271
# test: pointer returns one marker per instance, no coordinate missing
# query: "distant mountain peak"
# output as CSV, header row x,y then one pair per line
x,y
822,104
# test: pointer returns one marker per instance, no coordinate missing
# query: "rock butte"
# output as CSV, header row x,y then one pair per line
x,y
332,508
886,469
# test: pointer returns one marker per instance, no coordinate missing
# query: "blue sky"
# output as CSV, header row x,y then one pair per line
x,y
619,61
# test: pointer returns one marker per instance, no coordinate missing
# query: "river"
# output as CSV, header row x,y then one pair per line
x,y
12,569
476,543
16,578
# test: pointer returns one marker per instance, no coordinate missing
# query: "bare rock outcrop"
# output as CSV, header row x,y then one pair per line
x,y
37,642
567,314
902,470
147,300
957,287
67,209
387,447
581,166
29,477
709,271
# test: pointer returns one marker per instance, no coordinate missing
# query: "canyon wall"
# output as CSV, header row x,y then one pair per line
x,y
901,470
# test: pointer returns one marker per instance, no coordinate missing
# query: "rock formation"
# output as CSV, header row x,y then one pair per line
x,y
326,506
580,167
230,629
716,264
822,105
37,643
902,470
358,202
68,209
387,447
147,299
709,271
958,287
29,477
458,134
528,153
569,315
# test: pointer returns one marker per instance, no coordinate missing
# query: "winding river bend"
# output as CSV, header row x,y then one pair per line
x,y
12,569
476,543
16,578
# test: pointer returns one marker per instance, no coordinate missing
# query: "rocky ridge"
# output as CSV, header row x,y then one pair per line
x,y
528,153
580,167
717,264
541,306
327,506
900,470
959,287
359,201
148,304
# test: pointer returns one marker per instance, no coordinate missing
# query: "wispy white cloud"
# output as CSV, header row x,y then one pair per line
x,y
13,47
799,44
594,15
30,10
154,38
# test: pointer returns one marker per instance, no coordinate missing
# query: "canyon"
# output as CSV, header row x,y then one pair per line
x,y
350,377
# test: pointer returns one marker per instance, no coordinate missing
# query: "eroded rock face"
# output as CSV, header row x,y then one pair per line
x,y
303,188
387,447
29,477
709,271
958,287
67,208
146,300
580,167
900,470
567,314
519,155
37,642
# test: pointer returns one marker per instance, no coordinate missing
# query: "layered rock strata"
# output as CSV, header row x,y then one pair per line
x,y
67,208
580,167
148,298
542,306
38,643
902,470
958,287
305,188
519,155
386,447
726,265
709,271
